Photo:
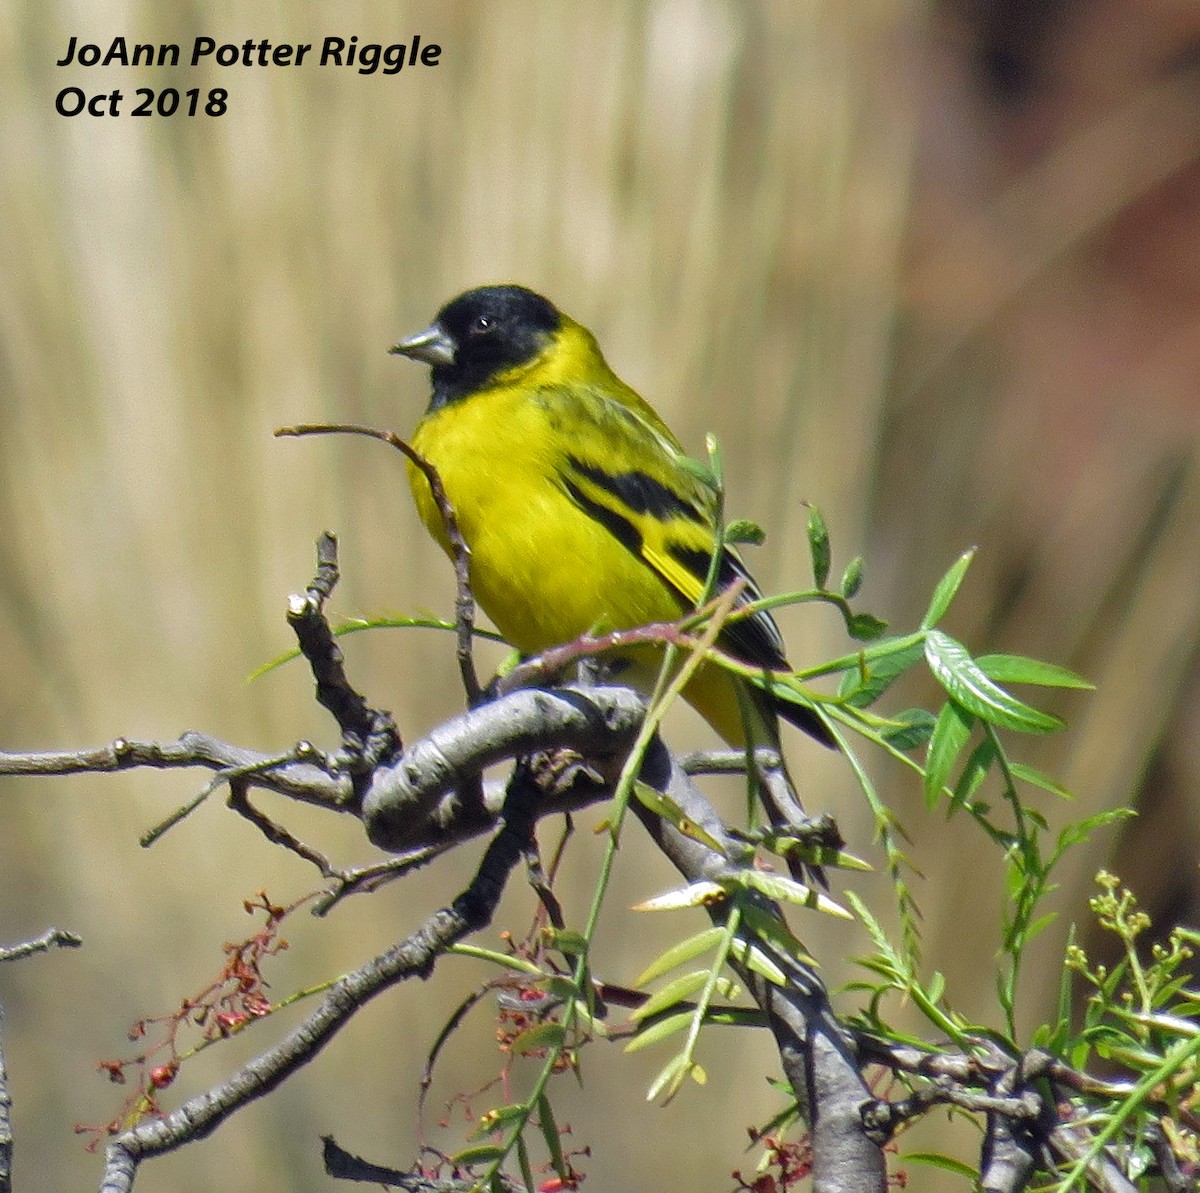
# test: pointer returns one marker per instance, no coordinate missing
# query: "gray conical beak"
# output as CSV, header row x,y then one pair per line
x,y
433,346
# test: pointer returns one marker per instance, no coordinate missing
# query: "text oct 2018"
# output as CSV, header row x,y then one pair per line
x,y
366,59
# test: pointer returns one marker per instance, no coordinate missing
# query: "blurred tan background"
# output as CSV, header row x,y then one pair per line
x,y
934,268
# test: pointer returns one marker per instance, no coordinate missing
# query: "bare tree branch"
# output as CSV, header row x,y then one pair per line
x,y
304,781
414,957
6,1136
50,939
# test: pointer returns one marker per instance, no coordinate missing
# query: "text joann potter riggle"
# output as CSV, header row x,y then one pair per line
x,y
335,51
364,57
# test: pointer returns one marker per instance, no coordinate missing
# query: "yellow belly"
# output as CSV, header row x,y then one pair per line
x,y
542,569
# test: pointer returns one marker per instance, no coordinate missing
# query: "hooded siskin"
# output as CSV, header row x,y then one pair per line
x,y
575,499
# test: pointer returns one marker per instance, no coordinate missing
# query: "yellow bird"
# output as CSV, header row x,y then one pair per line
x,y
576,500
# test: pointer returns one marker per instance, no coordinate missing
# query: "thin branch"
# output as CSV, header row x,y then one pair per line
x,y
52,938
369,735
6,1136
297,780
239,801
414,957
341,1165
460,553
362,880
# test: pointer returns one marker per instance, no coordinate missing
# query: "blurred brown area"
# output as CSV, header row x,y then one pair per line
x,y
933,270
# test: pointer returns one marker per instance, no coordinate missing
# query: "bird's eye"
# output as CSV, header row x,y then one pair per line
x,y
482,324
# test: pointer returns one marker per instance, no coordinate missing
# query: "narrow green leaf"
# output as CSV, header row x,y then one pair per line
x,y
779,886
742,530
670,1078
664,806
752,957
1034,777
505,960
673,992
772,929
652,1033
484,1153
946,589
818,544
549,1128
946,1163
786,844
936,987
679,954
1079,830
964,682
973,774
498,1117
1038,926
852,578
1015,668
695,894
950,734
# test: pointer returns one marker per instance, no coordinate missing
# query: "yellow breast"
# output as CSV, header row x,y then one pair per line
x,y
541,568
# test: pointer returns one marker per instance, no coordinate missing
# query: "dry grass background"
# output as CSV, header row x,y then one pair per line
x,y
725,194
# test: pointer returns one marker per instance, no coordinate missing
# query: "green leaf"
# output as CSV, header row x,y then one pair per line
x,y
946,1163
878,667
773,929
484,1153
1038,926
1078,831
505,960
679,954
910,729
785,843
852,578
818,544
673,992
544,1035
965,683
1015,668
664,806
549,1128
865,627
566,941
670,1078
788,890
660,1029
950,734
973,774
742,530
498,1117
695,894
1034,777
946,589
753,958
